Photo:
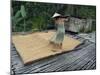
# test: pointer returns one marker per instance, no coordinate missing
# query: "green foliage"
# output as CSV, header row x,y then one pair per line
x,y
23,12
20,15
35,16
87,12
38,23
17,15
16,20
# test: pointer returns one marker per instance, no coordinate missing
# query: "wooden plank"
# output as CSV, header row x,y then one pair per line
x,y
36,46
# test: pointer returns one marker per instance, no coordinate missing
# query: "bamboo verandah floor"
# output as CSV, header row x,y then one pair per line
x,y
83,58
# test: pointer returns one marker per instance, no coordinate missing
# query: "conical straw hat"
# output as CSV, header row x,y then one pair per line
x,y
56,15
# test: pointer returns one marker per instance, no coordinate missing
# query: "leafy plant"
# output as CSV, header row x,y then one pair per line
x,y
16,19
40,14
23,13
38,23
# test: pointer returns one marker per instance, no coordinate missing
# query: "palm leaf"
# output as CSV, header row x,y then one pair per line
x,y
23,12
17,14
19,19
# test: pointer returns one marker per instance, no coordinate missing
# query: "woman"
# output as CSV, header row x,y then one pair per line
x,y
58,37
